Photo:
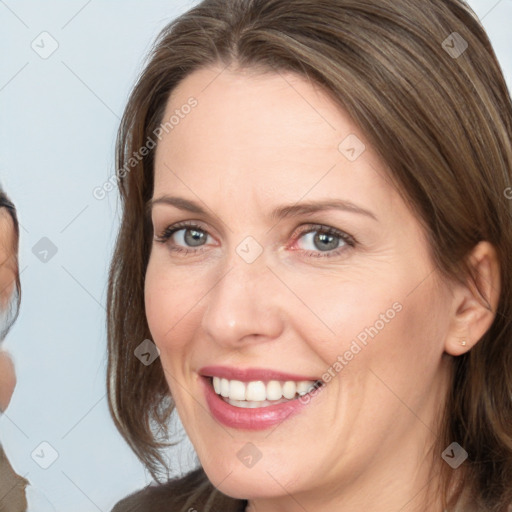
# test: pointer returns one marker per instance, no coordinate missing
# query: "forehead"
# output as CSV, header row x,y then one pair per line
x,y
262,134
255,110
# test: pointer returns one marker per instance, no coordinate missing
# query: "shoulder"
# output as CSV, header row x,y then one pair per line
x,y
12,486
191,492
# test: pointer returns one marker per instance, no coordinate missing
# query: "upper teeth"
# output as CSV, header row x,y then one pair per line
x,y
259,391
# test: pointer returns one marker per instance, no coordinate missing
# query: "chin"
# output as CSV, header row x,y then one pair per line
x,y
246,483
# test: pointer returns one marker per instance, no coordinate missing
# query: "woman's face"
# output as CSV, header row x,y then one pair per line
x,y
249,290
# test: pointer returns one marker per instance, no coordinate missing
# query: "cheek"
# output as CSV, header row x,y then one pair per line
x,y
172,299
358,310
410,347
377,322
162,306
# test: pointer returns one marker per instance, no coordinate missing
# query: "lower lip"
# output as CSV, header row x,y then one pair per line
x,y
259,418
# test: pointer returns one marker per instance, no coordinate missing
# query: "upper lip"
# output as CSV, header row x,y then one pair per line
x,y
252,374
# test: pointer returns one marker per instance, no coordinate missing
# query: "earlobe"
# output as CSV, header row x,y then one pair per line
x,y
456,346
475,304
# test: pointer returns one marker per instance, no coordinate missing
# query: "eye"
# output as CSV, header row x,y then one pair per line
x,y
185,235
319,239
315,240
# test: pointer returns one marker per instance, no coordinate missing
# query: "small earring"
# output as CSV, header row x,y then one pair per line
x,y
463,343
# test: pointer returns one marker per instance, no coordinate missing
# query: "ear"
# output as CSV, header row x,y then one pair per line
x,y
474,312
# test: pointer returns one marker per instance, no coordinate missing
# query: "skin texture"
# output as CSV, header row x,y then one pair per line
x,y
255,142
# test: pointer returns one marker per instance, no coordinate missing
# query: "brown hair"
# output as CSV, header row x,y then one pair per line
x,y
439,116
9,316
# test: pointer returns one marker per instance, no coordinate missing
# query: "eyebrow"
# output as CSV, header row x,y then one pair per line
x,y
278,213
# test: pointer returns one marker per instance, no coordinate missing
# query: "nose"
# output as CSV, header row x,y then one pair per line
x,y
245,305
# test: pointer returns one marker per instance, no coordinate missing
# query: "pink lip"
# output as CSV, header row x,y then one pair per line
x,y
250,374
258,418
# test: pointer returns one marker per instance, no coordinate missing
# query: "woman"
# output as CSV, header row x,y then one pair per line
x,y
12,486
312,264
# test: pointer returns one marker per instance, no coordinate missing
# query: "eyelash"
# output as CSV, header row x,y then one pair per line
x,y
327,230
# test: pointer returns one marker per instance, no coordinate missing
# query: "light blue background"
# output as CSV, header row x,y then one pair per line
x,y
58,120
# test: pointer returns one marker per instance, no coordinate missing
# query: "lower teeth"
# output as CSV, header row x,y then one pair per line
x,y
248,404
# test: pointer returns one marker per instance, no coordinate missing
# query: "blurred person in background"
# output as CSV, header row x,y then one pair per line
x,y
16,493
12,486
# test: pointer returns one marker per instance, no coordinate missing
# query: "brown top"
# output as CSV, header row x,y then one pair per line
x,y
175,496
12,487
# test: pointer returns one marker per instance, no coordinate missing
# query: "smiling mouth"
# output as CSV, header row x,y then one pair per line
x,y
254,394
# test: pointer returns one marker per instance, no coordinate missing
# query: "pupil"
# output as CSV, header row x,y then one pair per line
x,y
196,238
329,241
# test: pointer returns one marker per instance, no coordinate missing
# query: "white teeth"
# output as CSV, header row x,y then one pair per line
x,y
244,404
236,390
274,390
257,391
304,387
224,387
289,389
